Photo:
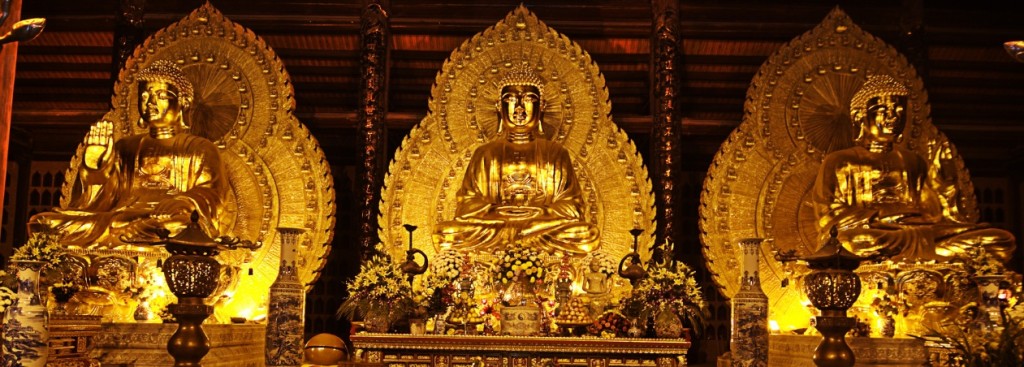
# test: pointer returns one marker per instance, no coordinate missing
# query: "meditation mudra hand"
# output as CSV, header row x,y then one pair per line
x,y
520,188
887,200
142,185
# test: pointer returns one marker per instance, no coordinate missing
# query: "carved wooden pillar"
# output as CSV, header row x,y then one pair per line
x,y
8,60
664,102
912,36
376,38
128,33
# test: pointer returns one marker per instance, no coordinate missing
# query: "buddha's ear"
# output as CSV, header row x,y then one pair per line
x,y
857,119
540,117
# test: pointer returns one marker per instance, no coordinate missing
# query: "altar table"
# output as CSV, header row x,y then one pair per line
x,y
405,350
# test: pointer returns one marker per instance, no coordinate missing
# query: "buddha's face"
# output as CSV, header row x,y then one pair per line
x,y
884,118
159,104
520,108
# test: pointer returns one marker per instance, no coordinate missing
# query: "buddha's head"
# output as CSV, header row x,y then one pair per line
x,y
164,96
879,108
520,106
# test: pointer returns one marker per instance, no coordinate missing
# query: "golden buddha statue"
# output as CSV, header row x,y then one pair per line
x,y
521,187
886,199
143,184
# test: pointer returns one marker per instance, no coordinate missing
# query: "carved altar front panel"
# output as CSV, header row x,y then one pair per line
x,y
403,350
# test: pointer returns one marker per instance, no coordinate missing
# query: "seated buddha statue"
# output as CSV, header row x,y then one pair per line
x,y
143,184
520,187
887,200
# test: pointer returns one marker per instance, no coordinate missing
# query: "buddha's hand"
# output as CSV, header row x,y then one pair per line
x,y
99,143
897,219
518,212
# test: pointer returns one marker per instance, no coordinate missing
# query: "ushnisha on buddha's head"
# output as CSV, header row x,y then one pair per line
x,y
164,96
520,106
879,108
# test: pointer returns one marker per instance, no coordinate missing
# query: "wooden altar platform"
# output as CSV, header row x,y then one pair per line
x,y
405,350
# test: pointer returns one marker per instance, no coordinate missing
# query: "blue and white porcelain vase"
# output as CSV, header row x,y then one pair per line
x,y
749,342
285,312
25,336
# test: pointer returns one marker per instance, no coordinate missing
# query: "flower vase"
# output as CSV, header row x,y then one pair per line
x,y
440,325
749,342
285,311
142,312
634,329
667,324
988,286
25,335
376,322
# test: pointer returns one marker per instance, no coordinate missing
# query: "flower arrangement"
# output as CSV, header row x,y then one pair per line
x,y
7,294
673,287
515,264
43,247
518,273
985,345
379,292
433,292
446,265
7,297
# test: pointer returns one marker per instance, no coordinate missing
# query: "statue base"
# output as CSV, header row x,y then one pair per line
x,y
797,350
145,345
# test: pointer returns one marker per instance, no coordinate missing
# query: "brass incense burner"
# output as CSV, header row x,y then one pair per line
x,y
833,287
192,274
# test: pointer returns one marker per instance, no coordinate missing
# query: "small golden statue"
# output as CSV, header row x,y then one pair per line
x,y
146,183
520,186
595,281
888,200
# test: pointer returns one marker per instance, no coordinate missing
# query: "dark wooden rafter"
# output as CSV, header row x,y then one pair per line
x,y
664,132
721,46
371,123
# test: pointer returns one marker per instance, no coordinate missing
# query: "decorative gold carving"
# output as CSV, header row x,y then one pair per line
x,y
508,351
277,172
145,345
429,166
71,340
797,111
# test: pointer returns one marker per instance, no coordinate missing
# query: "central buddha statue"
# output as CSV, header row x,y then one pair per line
x,y
887,200
143,184
520,188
